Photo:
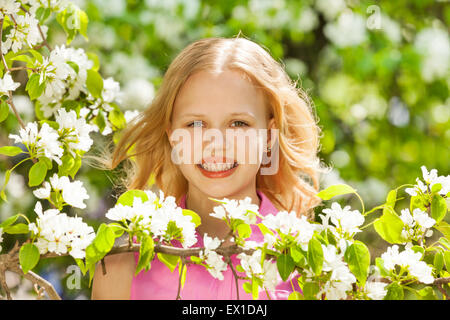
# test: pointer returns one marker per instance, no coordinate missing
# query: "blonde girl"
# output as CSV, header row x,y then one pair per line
x,y
217,84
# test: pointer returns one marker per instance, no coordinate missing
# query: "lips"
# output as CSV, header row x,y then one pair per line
x,y
215,167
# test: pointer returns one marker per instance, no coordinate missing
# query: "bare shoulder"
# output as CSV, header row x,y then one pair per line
x,y
116,283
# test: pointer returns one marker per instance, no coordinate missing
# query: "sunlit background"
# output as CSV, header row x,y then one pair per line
x,y
377,71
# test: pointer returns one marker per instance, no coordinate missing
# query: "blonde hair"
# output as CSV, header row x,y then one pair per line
x,y
146,143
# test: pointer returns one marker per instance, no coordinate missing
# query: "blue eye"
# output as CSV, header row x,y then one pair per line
x,y
241,123
196,123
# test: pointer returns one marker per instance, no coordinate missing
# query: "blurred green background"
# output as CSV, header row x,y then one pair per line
x,y
377,72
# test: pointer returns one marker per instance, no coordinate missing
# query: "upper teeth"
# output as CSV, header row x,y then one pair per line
x,y
217,166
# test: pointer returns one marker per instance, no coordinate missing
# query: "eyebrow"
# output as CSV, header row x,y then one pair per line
x,y
234,114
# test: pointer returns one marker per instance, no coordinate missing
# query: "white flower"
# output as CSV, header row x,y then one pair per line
x,y
423,219
25,31
431,178
375,290
45,141
7,84
44,192
251,263
56,232
237,209
410,260
345,220
111,90
73,193
8,7
215,263
349,30
210,243
74,131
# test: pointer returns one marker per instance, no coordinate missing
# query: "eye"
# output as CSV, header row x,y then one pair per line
x,y
239,124
196,123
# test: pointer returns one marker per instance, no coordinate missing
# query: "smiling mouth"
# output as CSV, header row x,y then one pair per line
x,y
217,167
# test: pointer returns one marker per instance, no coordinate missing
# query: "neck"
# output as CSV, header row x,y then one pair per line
x,y
198,202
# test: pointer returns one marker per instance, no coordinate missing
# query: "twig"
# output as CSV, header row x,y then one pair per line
x,y
235,278
44,39
179,279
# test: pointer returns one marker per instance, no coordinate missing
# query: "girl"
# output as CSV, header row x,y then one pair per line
x,y
216,84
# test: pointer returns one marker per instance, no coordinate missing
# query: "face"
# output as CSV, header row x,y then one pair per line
x,y
221,120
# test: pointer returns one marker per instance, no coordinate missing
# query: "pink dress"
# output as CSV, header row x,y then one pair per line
x,y
159,283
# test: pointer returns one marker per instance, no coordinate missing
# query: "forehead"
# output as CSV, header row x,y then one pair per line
x,y
227,92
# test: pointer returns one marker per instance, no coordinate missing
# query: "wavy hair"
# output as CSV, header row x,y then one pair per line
x,y
146,144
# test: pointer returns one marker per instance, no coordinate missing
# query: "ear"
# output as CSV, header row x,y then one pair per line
x,y
270,125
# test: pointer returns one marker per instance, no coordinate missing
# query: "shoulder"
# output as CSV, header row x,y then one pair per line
x,y
116,283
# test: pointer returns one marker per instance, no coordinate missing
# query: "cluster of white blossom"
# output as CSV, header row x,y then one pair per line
x,y
54,5
63,82
288,223
346,222
73,193
265,270
243,210
40,142
409,260
24,32
214,262
155,217
416,225
431,178
56,232
74,132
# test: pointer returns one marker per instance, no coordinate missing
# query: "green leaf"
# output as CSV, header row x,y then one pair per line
x,y
315,255
335,190
19,228
76,166
28,257
117,228
247,287
100,121
34,88
310,290
2,193
447,260
169,260
438,261
100,246
295,295
438,208
264,229
9,221
195,217
67,164
357,257
127,198
37,174
10,151
391,197
94,83
436,187
285,265
394,292
426,293
244,230
84,20
383,271
444,228
117,119
444,242
389,226
182,274
4,110
298,257
145,254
